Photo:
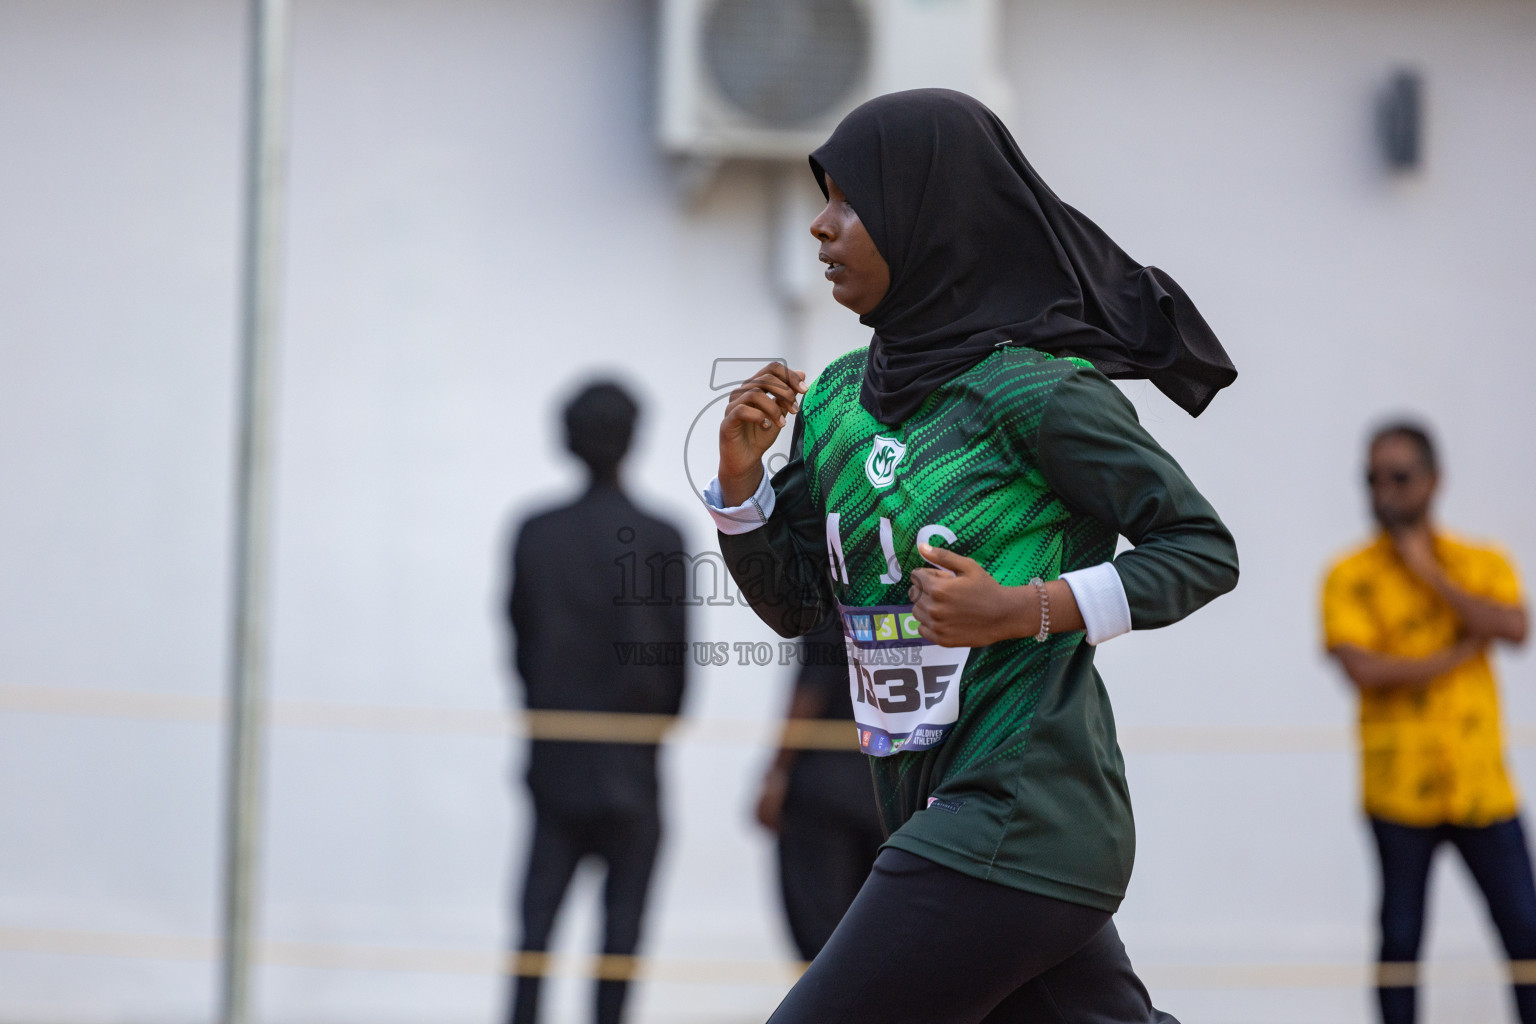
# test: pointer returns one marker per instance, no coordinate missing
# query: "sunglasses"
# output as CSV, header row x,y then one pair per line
x,y
1399,477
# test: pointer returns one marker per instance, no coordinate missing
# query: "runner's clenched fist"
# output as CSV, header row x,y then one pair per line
x,y
753,418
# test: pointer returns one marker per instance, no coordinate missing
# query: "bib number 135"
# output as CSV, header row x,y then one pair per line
x,y
897,691
905,690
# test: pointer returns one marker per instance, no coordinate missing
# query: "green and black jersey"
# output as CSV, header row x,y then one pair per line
x,y
1032,466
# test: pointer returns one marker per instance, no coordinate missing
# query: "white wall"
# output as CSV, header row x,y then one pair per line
x,y
117,283
478,217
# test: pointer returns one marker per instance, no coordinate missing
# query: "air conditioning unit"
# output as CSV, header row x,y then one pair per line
x,y
770,79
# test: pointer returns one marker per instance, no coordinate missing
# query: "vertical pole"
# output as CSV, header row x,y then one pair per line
x,y
792,266
265,160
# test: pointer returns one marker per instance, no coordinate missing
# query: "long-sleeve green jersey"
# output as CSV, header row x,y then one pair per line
x,y
1032,466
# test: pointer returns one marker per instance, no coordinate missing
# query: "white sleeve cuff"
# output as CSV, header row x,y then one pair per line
x,y
1101,599
747,516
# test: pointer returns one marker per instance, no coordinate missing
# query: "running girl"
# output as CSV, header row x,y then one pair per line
x,y
954,494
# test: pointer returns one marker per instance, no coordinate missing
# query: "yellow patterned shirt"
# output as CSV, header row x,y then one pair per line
x,y
1435,754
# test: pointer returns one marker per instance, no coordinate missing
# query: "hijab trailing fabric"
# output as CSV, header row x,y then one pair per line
x,y
983,254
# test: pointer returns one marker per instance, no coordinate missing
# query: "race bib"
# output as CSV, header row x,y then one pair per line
x,y
906,691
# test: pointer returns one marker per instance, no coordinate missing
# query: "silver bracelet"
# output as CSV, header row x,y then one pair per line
x,y
1045,612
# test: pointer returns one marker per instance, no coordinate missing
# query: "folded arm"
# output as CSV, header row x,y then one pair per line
x,y
1483,618
1371,671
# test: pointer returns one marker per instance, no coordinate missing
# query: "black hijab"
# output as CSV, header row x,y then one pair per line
x,y
983,254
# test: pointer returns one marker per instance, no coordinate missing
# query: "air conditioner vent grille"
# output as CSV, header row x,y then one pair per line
x,y
786,62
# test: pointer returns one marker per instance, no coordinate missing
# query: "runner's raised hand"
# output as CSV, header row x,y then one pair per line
x,y
755,414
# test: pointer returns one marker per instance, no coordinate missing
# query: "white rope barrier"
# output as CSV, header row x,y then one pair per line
x,y
624,728
602,727
701,971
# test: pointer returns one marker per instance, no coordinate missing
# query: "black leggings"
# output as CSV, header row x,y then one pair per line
x,y
923,944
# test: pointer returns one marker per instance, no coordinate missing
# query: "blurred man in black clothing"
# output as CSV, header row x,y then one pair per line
x,y
821,802
576,618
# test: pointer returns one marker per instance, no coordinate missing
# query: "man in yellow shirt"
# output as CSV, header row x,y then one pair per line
x,y
1410,618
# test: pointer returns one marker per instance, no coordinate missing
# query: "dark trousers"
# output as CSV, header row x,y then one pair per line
x,y
926,945
628,847
1501,866
823,861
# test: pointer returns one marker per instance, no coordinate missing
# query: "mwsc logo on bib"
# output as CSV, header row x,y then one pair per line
x,y
884,456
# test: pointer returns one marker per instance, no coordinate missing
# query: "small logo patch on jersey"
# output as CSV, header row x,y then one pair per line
x,y
952,806
884,456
